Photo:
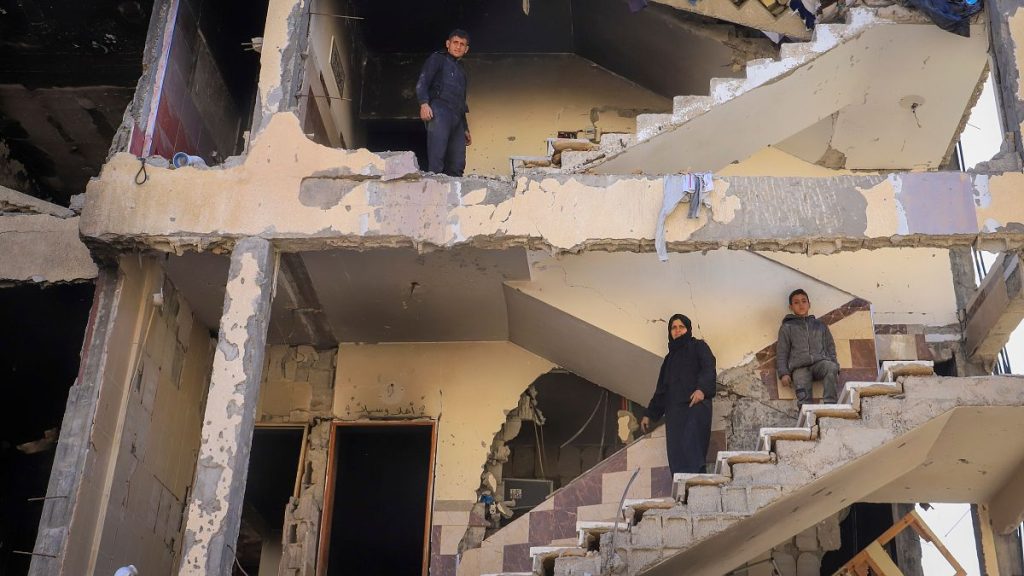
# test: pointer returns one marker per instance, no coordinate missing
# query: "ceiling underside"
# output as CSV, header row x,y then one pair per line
x,y
68,70
668,51
891,98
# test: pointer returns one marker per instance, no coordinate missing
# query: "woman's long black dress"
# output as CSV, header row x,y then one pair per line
x,y
688,366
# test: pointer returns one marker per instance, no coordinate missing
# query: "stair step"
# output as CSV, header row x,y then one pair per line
x,y
893,369
686,108
590,531
682,482
630,506
649,125
770,435
725,459
573,159
725,89
854,391
811,413
556,145
544,556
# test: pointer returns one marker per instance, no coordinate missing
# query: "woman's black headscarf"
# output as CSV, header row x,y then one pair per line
x,y
674,345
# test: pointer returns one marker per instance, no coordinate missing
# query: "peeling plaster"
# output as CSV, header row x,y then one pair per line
x,y
366,200
225,437
885,215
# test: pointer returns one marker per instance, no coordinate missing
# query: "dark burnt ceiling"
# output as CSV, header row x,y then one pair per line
x,y
68,70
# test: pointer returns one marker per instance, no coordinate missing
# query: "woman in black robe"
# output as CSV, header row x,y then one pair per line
x,y
685,389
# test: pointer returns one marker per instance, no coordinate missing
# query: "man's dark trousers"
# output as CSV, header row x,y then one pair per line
x,y
446,142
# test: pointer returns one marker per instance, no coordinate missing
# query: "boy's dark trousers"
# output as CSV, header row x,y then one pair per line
x,y
825,370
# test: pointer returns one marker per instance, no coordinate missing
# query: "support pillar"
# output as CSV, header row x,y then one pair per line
x,y
215,505
999,554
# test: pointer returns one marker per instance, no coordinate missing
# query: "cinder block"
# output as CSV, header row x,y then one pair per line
x,y
577,566
734,499
703,499
647,533
704,526
677,531
760,496
640,559
807,540
752,473
808,564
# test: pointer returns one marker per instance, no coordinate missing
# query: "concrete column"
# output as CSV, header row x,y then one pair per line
x,y
998,554
1006,26
215,505
908,544
73,457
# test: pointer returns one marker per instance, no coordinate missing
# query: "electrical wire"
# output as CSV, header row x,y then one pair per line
x,y
585,424
142,171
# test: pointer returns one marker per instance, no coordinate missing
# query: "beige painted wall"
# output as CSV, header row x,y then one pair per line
x,y
904,285
516,102
146,433
735,299
466,386
337,107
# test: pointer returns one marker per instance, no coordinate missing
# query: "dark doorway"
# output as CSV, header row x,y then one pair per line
x,y
40,343
377,506
272,479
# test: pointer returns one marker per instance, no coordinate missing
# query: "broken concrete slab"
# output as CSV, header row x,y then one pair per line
x,y
322,197
43,248
14,202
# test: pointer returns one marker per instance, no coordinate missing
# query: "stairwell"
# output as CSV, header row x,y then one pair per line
x,y
912,437
847,72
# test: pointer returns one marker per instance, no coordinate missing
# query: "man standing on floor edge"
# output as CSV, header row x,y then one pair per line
x,y
441,92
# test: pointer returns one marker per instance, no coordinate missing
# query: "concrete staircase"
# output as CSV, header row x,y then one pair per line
x,y
884,441
580,155
820,101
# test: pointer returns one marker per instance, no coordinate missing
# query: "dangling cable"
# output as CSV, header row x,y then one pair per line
x,y
142,172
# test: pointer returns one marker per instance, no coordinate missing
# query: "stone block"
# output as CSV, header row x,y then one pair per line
x,y
734,499
648,533
807,540
677,531
702,499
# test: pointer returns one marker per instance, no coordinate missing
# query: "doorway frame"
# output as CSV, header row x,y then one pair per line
x,y
323,547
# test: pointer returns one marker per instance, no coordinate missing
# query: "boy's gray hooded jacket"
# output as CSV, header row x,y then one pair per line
x,y
803,340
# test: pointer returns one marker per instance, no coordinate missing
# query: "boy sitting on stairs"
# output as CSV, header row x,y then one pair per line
x,y
806,351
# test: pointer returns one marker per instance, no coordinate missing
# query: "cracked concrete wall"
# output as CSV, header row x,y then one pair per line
x,y
289,188
145,435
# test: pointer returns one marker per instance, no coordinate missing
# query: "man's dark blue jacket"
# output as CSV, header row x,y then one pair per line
x,y
443,81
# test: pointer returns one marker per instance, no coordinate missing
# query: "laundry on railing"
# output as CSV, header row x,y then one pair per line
x,y
692,188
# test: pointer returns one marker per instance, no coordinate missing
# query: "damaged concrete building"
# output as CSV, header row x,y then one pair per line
x,y
297,353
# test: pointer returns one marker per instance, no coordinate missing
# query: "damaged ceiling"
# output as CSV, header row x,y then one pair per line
x,y
67,72
681,51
